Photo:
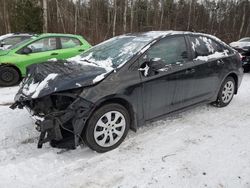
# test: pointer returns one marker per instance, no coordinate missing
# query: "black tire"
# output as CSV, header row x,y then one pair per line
x,y
99,114
9,76
221,102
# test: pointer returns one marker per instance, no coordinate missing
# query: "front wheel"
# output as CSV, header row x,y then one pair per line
x,y
9,76
226,92
107,128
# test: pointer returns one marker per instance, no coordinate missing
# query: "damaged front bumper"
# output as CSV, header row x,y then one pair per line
x,y
62,127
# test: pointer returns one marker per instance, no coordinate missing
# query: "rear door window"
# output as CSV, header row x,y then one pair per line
x,y
204,46
69,42
201,46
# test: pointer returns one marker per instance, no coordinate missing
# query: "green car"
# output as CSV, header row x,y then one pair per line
x,y
38,49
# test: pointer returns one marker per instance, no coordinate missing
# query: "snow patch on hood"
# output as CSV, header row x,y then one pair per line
x,y
79,85
89,61
35,88
99,78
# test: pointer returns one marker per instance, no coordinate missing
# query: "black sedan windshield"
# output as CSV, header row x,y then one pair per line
x,y
116,51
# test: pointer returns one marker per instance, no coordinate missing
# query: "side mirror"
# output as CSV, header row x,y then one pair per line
x,y
26,50
151,67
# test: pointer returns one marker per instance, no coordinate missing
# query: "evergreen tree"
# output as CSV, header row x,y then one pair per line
x,y
27,17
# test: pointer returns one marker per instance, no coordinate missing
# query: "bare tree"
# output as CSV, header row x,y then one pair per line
x,y
77,5
125,16
6,17
115,14
45,16
60,16
189,14
243,18
162,13
131,15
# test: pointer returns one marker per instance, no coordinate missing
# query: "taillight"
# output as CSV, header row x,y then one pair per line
x,y
242,58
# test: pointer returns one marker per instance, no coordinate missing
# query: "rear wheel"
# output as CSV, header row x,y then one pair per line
x,y
226,92
9,76
107,128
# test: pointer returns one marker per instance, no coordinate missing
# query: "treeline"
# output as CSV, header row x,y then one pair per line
x,y
98,20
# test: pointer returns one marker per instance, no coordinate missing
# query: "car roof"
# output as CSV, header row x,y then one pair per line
x,y
23,34
157,34
154,34
6,36
57,35
160,34
14,34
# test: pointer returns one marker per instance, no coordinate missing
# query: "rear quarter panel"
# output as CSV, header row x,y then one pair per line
x,y
233,66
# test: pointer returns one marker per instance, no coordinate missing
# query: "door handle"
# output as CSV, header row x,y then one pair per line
x,y
54,54
220,62
81,50
190,71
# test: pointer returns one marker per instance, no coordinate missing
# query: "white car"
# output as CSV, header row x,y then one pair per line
x,y
243,47
242,43
11,39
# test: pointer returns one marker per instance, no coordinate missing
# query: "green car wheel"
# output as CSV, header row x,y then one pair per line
x,y
9,76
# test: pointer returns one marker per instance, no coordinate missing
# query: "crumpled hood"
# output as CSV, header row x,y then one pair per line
x,y
50,77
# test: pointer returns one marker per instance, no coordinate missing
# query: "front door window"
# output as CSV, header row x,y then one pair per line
x,y
170,50
43,45
163,55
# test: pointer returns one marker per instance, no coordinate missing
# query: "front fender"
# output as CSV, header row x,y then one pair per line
x,y
124,101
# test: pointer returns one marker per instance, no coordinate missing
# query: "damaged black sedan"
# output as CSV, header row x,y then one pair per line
x,y
123,82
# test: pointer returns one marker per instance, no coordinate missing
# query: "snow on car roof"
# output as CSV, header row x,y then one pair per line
x,y
154,34
6,36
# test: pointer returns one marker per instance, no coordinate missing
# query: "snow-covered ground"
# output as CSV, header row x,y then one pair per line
x,y
203,147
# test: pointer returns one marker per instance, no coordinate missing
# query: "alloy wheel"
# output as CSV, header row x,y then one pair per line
x,y
109,128
228,91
